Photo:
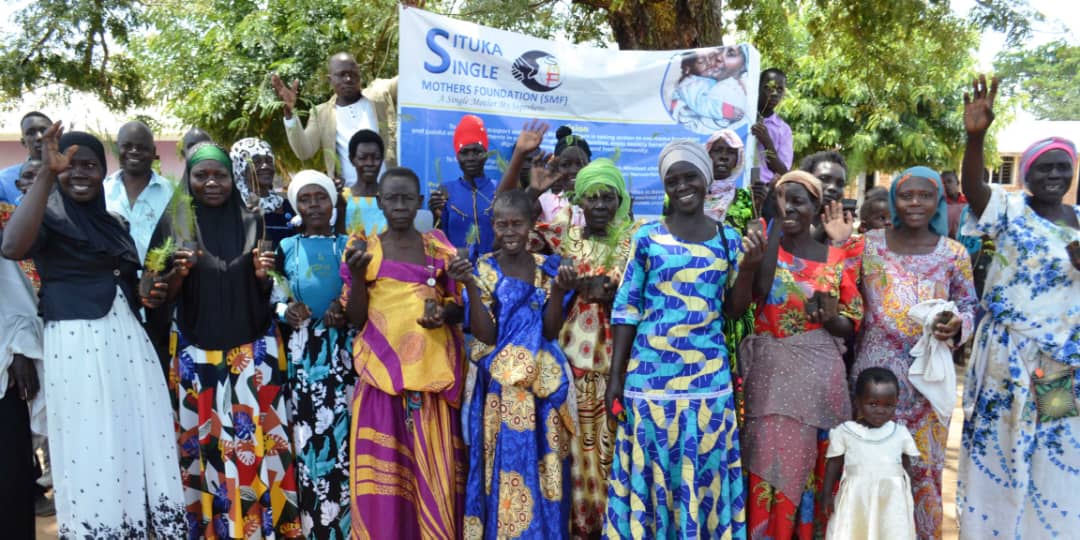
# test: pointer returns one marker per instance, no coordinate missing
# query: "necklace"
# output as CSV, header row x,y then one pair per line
x,y
429,261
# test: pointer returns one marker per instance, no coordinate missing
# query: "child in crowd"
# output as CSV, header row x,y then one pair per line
x,y
875,213
874,500
522,415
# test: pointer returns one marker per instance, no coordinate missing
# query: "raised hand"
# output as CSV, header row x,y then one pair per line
x,y
979,105
838,224
264,261
51,157
357,259
567,278
530,137
461,271
541,176
285,93
437,202
184,260
753,251
761,133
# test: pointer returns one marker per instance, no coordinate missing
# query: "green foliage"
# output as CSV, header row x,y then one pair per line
x,y
1044,79
211,60
181,211
881,81
77,42
157,258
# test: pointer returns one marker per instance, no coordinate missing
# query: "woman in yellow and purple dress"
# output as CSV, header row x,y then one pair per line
x,y
407,468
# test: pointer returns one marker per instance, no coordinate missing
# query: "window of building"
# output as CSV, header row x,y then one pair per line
x,y
1004,173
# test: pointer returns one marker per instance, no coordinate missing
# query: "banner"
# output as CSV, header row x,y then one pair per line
x,y
626,104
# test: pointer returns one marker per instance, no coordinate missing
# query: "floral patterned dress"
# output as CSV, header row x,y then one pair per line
x,y
521,418
586,340
772,513
1019,473
321,380
892,284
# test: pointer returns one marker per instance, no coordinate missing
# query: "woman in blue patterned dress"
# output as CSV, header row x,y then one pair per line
x,y
320,358
1020,460
521,417
677,469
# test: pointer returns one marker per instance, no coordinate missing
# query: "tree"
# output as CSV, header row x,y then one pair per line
x,y
1044,79
79,43
879,79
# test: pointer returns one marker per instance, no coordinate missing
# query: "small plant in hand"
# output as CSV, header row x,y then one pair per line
x,y
157,260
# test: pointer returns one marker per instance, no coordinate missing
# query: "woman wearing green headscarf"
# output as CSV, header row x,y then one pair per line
x,y
235,450
600,249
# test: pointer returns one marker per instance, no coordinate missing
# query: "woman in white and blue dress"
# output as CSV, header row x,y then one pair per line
x,y
110,426
1020,465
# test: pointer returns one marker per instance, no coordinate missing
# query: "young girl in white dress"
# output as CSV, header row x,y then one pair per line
x,y
874,501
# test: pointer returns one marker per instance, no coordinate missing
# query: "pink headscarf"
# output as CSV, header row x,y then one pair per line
x,y
732,139
1041,147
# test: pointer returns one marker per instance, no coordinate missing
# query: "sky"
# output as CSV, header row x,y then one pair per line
x,y
1062,21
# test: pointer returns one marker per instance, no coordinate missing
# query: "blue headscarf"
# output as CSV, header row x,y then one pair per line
x,y
939,224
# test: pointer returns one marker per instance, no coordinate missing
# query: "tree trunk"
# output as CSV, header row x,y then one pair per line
x,y
663,24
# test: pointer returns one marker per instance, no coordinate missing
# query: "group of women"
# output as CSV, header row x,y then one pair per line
x,y
588,375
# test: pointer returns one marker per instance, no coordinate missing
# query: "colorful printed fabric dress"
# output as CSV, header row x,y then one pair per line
x,y
237,462
586,341
521,417
1020,469
783,485
892,284
407,467
677,471
321,378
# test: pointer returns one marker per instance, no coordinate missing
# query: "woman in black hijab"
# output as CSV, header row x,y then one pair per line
x,y
113,452
230,365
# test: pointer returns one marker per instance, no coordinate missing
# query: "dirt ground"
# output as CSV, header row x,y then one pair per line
x,y
46,527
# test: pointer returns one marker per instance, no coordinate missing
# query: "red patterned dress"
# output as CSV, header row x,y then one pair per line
x,y
773,514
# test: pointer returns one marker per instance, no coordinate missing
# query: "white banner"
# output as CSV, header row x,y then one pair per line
x,y
626,104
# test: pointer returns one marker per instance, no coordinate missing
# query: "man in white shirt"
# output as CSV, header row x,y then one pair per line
x,y
330,125
135,191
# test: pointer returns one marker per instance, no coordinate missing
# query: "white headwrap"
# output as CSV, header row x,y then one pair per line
x,y
309,177
685,150
241,154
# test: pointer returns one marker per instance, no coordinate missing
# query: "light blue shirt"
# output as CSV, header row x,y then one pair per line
x,y
142,216
9,192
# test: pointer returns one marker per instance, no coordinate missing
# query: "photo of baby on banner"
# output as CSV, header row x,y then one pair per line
x,y
708,89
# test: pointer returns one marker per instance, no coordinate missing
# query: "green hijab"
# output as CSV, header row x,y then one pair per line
x,y
598,174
